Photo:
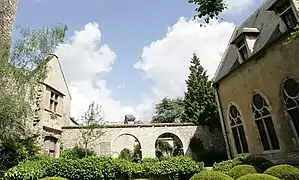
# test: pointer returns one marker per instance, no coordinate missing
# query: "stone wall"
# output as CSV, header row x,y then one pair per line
x,y
145,134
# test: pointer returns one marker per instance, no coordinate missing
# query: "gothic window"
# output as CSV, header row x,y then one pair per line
x,y
50,146
290,92
238,130
264,123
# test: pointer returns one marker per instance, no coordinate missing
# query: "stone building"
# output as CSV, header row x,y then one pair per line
x,y
257,85
52,112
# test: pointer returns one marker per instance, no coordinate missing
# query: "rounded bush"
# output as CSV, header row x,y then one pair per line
x,y
53,178
258,177
284,171
241,170
210,175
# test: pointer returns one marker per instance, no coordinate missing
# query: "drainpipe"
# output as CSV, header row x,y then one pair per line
x,y
223,126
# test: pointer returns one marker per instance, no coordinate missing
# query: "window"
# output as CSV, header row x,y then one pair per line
x,y
290,92
54,101
242,49
287,15
50,146
238,130
263,120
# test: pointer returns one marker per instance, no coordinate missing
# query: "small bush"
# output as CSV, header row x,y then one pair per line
x,y
53,178
210,175
283,172
260,163
241,170
76,153
258,177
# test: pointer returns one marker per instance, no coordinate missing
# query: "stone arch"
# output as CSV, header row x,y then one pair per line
x,y
168,144
124,140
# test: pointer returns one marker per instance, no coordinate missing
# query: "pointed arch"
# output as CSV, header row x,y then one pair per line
x,y
236,123
262,114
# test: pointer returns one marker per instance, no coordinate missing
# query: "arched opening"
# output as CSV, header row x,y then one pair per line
x,y
168,145
128,147
50,146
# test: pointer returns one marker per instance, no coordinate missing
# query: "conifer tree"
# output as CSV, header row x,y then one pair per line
x,y
200,104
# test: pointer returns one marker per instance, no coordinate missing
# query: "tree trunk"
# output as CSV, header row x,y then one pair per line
x,y
8,9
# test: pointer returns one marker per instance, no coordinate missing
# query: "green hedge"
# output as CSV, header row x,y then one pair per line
x,y
260,164
241,170
104,168
258,177
210,175
53,178
283,172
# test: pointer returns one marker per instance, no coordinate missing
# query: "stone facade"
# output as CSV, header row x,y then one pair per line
x,y
252,91
113,141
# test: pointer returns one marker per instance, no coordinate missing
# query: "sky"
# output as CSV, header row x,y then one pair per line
x,y
127,55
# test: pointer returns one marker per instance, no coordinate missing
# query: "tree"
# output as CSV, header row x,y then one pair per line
x,y
169,111
208,9
137,154
200,104
94,123
126,154
22,70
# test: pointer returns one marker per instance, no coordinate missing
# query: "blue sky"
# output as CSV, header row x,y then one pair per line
x,y
126,27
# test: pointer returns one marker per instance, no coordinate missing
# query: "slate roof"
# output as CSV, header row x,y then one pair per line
x,y
267,23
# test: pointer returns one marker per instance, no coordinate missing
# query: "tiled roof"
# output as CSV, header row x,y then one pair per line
x,y
266,22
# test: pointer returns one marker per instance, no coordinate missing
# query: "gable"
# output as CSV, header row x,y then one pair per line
x,y
55,77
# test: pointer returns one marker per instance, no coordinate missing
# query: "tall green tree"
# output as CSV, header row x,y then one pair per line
x,y
200,104
169,110
93,126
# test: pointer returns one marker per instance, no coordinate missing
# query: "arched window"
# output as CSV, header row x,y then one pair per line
x,y
263,120
238,130
50,146
290,92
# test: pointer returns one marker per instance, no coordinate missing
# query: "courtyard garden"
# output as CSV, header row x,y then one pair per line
x,y
173,168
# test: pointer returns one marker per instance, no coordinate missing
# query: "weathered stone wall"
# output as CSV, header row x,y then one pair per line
x,y
145,134
264,74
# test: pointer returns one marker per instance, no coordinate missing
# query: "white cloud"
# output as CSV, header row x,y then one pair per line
x,y
166,61
83,58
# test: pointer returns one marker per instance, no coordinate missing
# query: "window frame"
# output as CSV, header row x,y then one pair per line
x,y
236,126
263,119
242,45
289,10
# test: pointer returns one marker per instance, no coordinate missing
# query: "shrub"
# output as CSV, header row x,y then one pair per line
x,y
53,178
210,175
75,153
260,163
126,154
258,177
90,168
241,170
283,172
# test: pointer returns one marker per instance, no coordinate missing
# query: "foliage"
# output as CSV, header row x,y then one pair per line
x,y
137,154
76,153
256,176
53,178
103,168
200,103
163,149
241,170
283,171
210,175
209,9
169,111
94,123
126,154
260,163
22,69
200,153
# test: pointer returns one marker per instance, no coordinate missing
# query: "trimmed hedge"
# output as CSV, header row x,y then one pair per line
x,y
261,164
258,177
241,170
210,175
175,168
53,178
284,172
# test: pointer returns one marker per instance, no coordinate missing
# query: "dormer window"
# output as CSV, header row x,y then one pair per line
x,y
241,45
284,9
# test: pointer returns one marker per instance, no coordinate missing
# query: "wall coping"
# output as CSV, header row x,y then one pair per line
x,y
134,125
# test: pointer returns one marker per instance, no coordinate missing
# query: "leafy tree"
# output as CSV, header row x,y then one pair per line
x,y
169,111
22,70
126,154
76,153
199,101
137,154
94,123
